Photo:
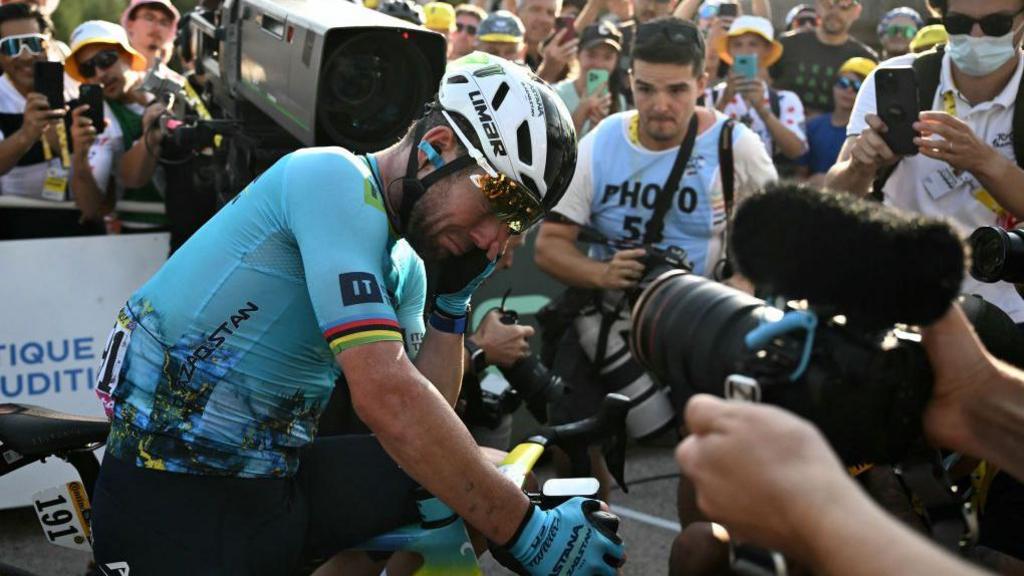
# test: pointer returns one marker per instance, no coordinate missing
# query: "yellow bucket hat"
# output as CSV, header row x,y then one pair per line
x,y
440,16
928,37
100,32
859,66
749,25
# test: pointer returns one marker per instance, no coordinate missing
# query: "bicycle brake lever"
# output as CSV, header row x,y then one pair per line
x,y
615,458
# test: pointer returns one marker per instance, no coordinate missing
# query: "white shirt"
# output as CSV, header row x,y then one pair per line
x,y
21,180
791,114
930,187
617,198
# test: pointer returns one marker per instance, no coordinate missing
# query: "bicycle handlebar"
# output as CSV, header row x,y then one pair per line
x,y
607,427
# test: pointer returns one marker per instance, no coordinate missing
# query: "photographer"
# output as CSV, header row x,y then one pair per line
x,y
100,54
793,494
650,145
965,170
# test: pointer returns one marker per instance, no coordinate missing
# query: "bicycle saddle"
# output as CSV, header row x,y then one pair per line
x,y
37,431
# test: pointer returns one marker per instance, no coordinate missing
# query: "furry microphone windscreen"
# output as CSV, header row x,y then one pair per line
x,y
856,257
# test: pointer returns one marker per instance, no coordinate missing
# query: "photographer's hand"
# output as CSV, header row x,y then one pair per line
x,y
869,151
977,404
958,146
623,271
772,480
83,133
503,344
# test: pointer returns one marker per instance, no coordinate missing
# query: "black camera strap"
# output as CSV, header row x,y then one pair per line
x,y
656,225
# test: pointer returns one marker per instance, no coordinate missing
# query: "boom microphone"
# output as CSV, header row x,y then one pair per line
x,y
855,257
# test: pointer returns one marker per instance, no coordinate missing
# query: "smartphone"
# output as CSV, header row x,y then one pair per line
x,y
745,65
92,94
597,79
728,10
566,22
897,105
49,81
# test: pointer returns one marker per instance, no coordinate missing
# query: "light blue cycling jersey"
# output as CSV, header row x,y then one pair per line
x,y
231,344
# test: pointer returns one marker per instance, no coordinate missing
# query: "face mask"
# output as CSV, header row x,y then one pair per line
x,y
980,56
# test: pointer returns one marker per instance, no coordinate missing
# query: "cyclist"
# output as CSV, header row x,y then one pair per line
x,y
219,366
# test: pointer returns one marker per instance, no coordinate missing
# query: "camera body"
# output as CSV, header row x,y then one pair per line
x,y
312,73
531,381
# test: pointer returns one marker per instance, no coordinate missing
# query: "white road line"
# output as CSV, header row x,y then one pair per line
x,y
646,518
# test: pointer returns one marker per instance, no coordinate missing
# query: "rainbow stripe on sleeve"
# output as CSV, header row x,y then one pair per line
x,y
362,330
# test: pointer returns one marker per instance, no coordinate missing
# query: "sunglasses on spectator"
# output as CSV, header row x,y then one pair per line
x,y
100,61
13,46
907,31
998,24
845,83
807,21
671,30
467,28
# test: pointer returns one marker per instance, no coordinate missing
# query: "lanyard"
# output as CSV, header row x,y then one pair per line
x,y
62,139
1005,219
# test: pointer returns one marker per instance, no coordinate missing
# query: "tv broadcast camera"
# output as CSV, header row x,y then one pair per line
x,y
284,74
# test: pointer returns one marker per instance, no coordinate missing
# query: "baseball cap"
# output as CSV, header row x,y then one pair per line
x,y
859,66
501,26
100,32
749,25
928,37
798,11
165,4
440,16
601,33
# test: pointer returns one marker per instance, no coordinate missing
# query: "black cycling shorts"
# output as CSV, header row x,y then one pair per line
x,y
347,489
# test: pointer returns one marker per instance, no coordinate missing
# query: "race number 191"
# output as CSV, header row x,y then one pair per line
x,y
63,512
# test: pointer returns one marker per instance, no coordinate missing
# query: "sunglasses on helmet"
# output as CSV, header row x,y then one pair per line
x,y
13,46
509,200
849,83
998,24
100,61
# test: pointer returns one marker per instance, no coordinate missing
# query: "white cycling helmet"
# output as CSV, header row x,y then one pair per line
x,y
525,131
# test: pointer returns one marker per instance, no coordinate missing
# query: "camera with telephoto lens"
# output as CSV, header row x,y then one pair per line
x,y
997,255
530,381
864,387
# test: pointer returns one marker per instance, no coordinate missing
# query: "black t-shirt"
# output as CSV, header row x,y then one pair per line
x,y
809,67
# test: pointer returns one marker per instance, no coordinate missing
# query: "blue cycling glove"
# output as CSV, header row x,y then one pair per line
x,y
564,540
460,276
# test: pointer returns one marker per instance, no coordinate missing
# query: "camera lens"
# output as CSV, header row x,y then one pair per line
x,y
997,255
372,87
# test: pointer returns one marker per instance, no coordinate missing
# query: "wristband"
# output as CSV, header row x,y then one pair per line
x,y
448,324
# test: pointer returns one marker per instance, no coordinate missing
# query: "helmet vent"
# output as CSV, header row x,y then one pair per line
x,y
523,144
499,96
529,183
458,80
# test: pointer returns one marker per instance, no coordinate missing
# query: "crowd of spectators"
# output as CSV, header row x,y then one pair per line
x,y
792,98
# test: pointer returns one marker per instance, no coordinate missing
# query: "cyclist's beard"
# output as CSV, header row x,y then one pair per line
x,y
427,211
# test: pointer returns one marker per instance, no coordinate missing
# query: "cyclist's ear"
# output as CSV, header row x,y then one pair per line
x,y
443,140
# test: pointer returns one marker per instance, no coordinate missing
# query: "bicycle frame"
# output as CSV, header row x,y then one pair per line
x,y
441,537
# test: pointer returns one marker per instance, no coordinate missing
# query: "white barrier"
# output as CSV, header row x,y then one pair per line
x,y
58,300
122,205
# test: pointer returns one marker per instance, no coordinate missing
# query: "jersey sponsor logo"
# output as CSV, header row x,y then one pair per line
x,y
640,194
215,340
359,288
490,128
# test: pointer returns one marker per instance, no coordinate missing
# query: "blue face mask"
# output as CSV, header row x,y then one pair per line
x,y
981,55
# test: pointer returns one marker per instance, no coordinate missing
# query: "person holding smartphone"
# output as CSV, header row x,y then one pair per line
x,y
777,116
591,95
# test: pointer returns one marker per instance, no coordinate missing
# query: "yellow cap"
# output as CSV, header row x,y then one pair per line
x,y
928,37
440,16
859,66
